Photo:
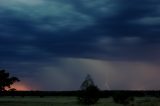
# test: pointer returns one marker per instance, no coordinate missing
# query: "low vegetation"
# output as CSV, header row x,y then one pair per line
x,y
123,98
72,101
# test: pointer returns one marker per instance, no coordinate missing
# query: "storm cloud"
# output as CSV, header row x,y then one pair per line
x,y
68,39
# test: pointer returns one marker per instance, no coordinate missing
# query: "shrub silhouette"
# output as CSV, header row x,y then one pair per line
x,y
89,92
122,98
6,81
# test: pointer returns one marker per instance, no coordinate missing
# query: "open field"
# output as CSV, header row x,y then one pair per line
x,y
69,101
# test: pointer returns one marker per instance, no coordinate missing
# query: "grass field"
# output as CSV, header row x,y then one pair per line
x,y
69,101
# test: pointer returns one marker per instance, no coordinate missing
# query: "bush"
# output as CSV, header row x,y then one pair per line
x,y
89,93
122,98
89,96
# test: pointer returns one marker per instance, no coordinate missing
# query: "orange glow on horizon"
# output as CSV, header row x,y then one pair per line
x,y
21,87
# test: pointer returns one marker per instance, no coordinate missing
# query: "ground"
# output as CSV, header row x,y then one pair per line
x,y
69,101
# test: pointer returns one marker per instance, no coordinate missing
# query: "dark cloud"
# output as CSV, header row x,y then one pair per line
x,y
119,25
112,30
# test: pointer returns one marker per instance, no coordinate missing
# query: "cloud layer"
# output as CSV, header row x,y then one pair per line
x,y
46,32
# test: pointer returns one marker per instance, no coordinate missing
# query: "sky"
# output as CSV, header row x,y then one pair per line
x,y
53,44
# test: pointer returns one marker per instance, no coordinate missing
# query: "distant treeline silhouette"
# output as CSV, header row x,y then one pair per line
x,y
102,94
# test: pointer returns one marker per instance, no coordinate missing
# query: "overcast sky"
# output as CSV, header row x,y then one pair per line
x,y
54,44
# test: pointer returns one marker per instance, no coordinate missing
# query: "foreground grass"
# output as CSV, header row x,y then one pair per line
x,y
69,101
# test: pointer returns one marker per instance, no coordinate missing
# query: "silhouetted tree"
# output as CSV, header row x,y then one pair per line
x,y
123,98
6,81
89,92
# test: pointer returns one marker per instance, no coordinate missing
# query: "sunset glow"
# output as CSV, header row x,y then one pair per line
x,y
21,87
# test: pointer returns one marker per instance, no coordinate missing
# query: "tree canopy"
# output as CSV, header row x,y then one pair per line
x,y
89,92
6,80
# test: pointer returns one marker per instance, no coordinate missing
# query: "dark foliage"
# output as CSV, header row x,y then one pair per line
x,y
122,98
101,94
6,81
89,92
89,96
